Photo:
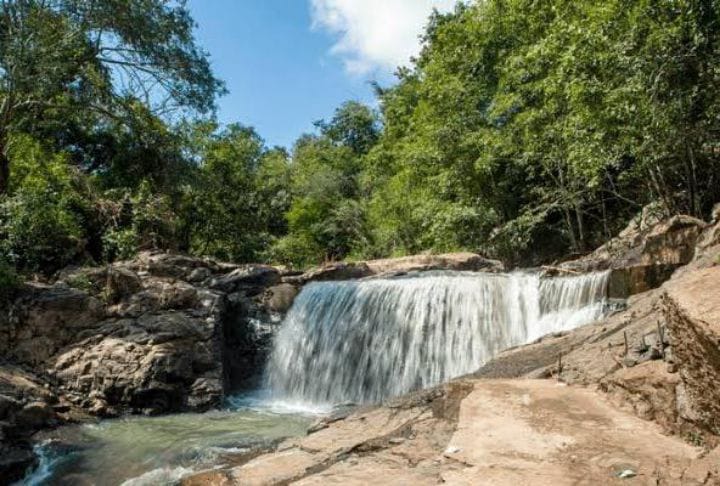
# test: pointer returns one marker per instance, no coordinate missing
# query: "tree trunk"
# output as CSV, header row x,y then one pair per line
x,y
571,229
4,171
692,182
581,227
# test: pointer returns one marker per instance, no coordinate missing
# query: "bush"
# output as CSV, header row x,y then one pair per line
x,y
9,281
120,244
296,251
154,222
41,220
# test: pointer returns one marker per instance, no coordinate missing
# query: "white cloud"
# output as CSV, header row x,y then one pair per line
x,y
375,34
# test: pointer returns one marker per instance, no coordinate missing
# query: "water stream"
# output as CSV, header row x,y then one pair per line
x,y
156,451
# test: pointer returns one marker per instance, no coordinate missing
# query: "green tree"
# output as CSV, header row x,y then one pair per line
x,y
236,205
64,61
327,216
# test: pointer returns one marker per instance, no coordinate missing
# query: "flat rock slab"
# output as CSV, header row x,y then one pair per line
x,y
546,433
507,432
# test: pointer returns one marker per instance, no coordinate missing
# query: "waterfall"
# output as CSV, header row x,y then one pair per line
x,y
363,341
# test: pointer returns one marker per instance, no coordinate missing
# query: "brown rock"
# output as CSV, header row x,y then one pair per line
x,y
34,415
474,432
332,271
279,298
450,261
250,278
692,315
645,254
394,266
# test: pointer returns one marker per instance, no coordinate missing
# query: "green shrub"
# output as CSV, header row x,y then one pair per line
x,y
120,244
41,220
154,222
296,251
9,281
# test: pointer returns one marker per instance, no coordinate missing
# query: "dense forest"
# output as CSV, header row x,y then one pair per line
x,y
525,130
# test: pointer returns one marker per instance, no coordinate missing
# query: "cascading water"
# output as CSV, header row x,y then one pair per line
x,y
363,341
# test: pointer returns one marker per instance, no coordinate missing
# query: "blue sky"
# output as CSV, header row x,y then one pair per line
x,y
288,63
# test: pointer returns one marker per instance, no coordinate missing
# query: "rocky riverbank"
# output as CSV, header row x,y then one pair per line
x,y
159,334
475,431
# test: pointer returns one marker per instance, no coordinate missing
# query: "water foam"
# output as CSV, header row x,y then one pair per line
x,y
364,341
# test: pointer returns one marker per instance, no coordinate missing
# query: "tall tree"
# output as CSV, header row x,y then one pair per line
x,y
64,59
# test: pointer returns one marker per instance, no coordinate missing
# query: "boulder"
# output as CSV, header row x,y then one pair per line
x,y
469,262
44,319
279,298
111,283
249,278
708,246
331,271
168,265
147,364
26,406
692,316
15,461
144,336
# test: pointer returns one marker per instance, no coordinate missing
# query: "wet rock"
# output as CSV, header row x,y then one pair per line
x,y
34,415
279,298
251,278
8,405
15,461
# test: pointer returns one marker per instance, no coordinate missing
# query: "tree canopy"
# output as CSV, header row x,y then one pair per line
x,y
74,65
524,130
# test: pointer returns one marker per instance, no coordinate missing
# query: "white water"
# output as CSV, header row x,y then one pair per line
x,y
364,341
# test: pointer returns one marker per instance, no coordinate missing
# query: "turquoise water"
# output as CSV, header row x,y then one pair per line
x,y
160,450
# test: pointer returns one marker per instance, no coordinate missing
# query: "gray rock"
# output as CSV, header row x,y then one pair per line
x,y
34,415
280,298
251,278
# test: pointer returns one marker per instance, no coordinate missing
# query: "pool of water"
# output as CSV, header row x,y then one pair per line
x,y
161,450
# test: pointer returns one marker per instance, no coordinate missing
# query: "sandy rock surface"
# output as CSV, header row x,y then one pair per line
x,y
477,432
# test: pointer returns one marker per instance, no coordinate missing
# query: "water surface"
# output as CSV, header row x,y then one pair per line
x,y
159,450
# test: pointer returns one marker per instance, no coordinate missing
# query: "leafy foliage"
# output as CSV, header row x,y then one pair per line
x,y
41,223
524,130
9,281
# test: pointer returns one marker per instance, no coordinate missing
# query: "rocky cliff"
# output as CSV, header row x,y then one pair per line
x,y
168,333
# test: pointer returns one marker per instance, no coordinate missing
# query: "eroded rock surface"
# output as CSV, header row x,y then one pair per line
x,y
26,405
397,266
162,333
669,371
479,432
646,254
